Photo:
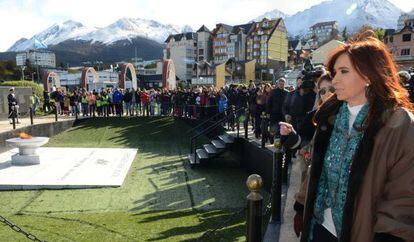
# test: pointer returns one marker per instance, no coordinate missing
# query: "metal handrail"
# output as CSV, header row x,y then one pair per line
x,y
207,120
203,132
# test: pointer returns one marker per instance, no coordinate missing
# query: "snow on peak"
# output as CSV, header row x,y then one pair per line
x,y
124,28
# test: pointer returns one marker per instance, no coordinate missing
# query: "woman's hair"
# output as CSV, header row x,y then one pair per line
x,y
325,77
371,59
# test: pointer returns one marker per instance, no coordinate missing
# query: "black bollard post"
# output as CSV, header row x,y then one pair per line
x,y
238,124
76,112
263,129
246,124
276,189
31,115
254,209
56,114
233,114
14,118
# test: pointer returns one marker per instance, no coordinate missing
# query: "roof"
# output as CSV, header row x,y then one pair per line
x,y
203,29
406,27
178,37
292,44
245,27
320,24
150,78
226,27
389,32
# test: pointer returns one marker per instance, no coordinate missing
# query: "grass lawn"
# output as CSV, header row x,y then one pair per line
x,y
162,198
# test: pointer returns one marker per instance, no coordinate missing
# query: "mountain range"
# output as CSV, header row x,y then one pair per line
x,y
352,14
73,42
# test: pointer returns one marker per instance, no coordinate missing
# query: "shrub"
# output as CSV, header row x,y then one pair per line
x,y
38,89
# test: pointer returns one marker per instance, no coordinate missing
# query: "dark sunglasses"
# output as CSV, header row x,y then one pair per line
x,y
324,90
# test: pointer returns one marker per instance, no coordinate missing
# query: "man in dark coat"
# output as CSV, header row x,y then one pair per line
x,y
274,106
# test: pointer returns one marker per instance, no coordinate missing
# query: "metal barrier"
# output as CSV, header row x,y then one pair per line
x,y
276,201
254,209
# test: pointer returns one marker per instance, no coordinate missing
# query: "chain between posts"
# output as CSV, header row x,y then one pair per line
x,y
17,229
212,232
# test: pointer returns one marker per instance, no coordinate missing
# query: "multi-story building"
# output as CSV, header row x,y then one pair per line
x,y
236,45
267,42
220,38
204,41
38,57
401,44
182,49
323,32
230,42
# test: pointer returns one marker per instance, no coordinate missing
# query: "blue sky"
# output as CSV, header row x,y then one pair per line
x,y
24,18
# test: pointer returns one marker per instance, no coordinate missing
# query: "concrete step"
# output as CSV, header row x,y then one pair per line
x,y
193,160
227,139
218,144
210,149
202,154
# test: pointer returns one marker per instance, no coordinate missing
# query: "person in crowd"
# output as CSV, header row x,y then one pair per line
x,y
92,104
117,101
274,107
301,139
145,99
105,104
362,171
73,103
84,104
13,106
34,102
127,101
46,102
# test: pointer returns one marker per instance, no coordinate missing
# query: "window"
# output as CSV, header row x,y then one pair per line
x,y
201,52
405,52
391,39
406,37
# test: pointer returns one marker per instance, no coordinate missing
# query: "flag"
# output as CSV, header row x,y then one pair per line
x,y
39,45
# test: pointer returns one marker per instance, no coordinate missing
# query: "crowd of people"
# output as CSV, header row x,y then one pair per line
x,y
352,125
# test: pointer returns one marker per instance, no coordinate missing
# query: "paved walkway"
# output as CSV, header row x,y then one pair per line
x,y
25,121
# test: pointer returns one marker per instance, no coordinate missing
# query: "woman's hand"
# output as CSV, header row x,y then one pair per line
x,y
286,128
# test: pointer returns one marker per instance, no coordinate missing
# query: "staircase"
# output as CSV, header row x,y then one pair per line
x,y
208,151
200,154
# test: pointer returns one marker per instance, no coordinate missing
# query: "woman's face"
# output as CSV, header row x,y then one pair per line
x,y
326,90
348,83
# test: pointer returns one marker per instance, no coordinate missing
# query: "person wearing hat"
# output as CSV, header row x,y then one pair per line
x,y
12,101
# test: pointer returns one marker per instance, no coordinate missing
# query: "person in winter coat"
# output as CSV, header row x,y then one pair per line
x,y
360,185
117,97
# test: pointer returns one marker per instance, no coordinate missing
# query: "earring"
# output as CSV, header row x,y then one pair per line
x,y
367,84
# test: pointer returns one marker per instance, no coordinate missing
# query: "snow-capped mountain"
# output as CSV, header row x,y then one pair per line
x,y
128,28
350,13
54,35
272,15
122,29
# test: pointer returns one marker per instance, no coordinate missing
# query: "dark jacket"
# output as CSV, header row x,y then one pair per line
x,y
380,194
274,104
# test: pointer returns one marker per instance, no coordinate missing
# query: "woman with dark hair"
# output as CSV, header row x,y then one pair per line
x,y
361,180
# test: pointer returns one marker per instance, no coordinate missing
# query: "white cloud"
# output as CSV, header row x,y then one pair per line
x,y
24,18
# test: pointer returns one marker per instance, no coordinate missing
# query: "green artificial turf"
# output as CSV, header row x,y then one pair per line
x,y
162,198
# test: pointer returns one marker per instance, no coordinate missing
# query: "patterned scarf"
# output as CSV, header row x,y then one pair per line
x,y
333,183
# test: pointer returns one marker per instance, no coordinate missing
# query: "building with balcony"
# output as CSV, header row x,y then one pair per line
x,y
220,38
322,32
267,43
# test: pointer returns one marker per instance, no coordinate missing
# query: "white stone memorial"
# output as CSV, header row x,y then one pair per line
x,y
60,168
27,150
